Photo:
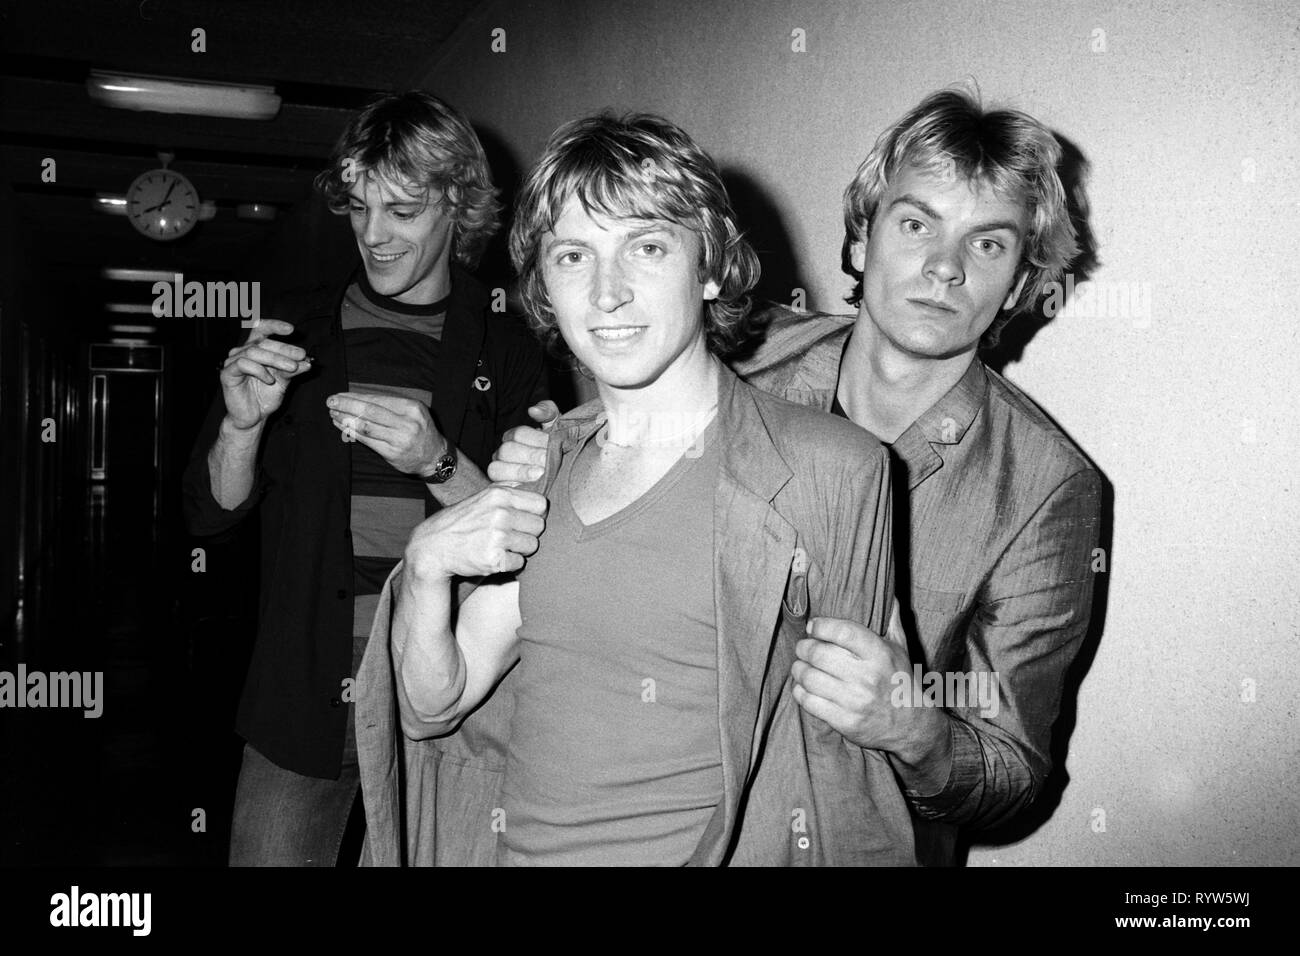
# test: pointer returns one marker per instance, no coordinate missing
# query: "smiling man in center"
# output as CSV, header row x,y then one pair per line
x,y
620,699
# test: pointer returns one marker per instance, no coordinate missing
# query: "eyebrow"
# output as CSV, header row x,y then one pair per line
x,y
647,229
559,241
629,236
388,205
990,226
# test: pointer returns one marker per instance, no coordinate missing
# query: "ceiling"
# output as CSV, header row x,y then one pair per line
x,y
325,59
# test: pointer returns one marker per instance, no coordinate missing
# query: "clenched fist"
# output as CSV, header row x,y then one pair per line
x,y
522,455
488,533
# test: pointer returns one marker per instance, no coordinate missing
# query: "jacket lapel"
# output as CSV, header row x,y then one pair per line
x,y
753,547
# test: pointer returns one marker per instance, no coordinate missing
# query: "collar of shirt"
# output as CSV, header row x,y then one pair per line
x,y
753,464
943,423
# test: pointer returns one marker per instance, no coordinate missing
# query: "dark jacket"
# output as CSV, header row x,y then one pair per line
x,y
292,709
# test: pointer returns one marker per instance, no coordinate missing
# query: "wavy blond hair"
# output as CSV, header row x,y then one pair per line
x,y
1010,151
426,146
635,167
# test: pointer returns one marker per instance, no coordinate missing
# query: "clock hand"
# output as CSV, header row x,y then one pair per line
x,y
166,200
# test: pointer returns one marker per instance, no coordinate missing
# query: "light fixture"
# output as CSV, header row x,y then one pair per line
x,y
113,204
257,211
163,94
137,275
128,308
207,210
133,329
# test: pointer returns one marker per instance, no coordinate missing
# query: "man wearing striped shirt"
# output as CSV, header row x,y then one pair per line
x,y
384,404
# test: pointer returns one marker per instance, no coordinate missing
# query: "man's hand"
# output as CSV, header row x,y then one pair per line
x,y
400,430
488,533
844,675
256,374
522,455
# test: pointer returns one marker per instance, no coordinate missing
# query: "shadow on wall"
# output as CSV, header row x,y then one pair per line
x,y
781,279
494,269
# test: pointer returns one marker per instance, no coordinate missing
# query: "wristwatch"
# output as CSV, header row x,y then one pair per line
x,y
443,468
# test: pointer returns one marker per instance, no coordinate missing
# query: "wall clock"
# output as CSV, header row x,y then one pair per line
x,y
162,204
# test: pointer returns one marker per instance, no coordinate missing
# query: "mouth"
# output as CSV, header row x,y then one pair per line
x,y
618,333
385,259
933,305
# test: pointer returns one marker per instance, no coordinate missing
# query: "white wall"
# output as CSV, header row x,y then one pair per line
x,y
1188,117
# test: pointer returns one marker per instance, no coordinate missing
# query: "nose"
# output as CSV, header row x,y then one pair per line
x,y
610,290
372,233
944,264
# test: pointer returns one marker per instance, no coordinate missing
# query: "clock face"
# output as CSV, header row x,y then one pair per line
x,y
162,204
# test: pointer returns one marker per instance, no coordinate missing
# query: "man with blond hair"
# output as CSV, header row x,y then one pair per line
x,y
617,689
385,405
955,224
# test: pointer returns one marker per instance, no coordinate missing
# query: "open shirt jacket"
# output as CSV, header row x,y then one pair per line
x,y
997,514
293,709
794,791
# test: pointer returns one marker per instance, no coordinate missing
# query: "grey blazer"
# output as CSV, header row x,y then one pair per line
x,y
793,480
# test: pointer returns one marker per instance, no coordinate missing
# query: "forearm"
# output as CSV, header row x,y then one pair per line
x,y
467,480
232,464
1021,641
430,668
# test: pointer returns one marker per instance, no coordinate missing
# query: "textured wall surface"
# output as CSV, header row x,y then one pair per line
x,y
1177,372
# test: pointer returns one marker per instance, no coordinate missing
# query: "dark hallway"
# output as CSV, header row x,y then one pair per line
x,y
102,391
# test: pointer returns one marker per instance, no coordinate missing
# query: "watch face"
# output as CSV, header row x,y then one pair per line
x,y
162,204
443,469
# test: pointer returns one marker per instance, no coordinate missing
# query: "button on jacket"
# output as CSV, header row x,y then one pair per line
x,y
291,709
796,487
1002,512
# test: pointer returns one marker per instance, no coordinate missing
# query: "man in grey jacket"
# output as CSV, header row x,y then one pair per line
x,y
627,698
954,224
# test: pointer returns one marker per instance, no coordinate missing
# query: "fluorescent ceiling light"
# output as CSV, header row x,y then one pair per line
x,y
134,329
163,94
138,275
128,308
113,205
259,211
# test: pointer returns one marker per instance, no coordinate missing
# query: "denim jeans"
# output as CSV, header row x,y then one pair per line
x,y
282,818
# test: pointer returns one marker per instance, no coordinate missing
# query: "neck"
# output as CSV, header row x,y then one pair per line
x,y
669,411
885,389
434,287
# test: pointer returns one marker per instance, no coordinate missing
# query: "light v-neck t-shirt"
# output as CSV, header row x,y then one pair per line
x,y
615,750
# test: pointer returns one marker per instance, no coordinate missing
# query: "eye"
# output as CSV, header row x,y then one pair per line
x,y
572,257
403,216
651,250
912,226
990,247
356,207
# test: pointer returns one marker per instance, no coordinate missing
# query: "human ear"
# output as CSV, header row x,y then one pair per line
x,y
858,253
